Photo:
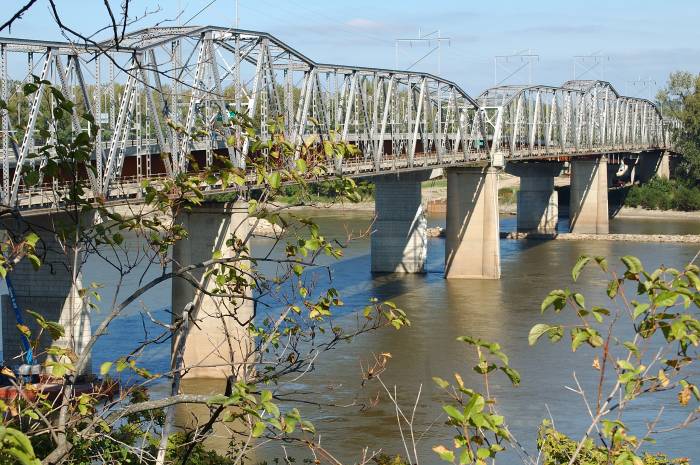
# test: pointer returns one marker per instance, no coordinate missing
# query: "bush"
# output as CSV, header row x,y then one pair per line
x,y
688,199
557,448
662,194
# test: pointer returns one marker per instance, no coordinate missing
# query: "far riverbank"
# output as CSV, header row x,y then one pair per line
x,y
511,209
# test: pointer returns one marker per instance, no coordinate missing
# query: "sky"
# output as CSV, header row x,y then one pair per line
x,y
632,44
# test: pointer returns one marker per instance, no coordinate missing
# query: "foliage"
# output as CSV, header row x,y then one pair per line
x,y
480,433
283,343
385,459
660,307
507,195
325,191
664,194
681,100
14,445
557,449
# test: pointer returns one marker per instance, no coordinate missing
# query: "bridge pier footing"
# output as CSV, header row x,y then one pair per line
x,y
588,210
50,290
472,247
399,243
538,201
217,343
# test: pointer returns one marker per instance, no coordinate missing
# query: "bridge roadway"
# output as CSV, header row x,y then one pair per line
x,y
405,125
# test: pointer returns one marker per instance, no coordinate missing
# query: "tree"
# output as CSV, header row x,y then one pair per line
x,y
282,344
680,100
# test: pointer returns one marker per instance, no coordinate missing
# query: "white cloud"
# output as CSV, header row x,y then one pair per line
x,y
363,23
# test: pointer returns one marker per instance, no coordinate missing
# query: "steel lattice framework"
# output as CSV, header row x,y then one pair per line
x,y
158,79
581,117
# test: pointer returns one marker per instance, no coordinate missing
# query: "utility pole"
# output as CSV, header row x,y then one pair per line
x,y
593,64
521,60
428,40
238,18
645,86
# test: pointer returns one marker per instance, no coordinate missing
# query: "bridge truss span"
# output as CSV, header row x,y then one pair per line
x,y
150,92
580,117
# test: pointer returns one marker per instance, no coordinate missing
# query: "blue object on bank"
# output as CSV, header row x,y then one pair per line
x,y
29,356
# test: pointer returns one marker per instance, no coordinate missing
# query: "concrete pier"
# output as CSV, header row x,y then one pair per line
x,y
653,164
218,344
399,243
538,201
49,291
472,243
588,210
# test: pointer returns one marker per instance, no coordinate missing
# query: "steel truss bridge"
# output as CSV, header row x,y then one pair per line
x,y
188,77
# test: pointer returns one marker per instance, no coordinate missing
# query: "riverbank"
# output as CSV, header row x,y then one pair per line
x,y
438,231
676,238
512,209
638,212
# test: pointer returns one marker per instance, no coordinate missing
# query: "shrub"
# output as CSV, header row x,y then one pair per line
x,y
557,449
663,194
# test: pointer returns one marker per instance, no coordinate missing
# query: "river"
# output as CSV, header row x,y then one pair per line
x,y
440,311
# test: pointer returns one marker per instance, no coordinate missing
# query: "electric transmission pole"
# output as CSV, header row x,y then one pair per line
x,y
429,40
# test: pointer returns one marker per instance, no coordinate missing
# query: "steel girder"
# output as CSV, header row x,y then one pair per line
x,y
581,117
164,83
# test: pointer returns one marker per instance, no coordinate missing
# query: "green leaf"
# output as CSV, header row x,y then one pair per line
x,y
633,264
265,396
483,453
440,382
301,165
578,338
31,239
475,405
580,264
536,332
454,413
602,263
639,309
625,365
632,347
556,298
29,88
693,279
666,299
513,375
258,429
444,453
275,179
104,368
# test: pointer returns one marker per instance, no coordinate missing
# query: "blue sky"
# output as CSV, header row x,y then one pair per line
x,y
639,41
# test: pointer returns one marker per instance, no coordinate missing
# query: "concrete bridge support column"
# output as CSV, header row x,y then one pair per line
x,y
652,164
217,344
399,243
588,210
664,169
472,248
538,201
49,291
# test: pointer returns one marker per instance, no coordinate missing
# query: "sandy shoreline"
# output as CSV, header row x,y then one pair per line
x,y
511,209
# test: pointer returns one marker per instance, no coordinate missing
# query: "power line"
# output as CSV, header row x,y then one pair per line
x,y
200,11
590,64
423,39
526,58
